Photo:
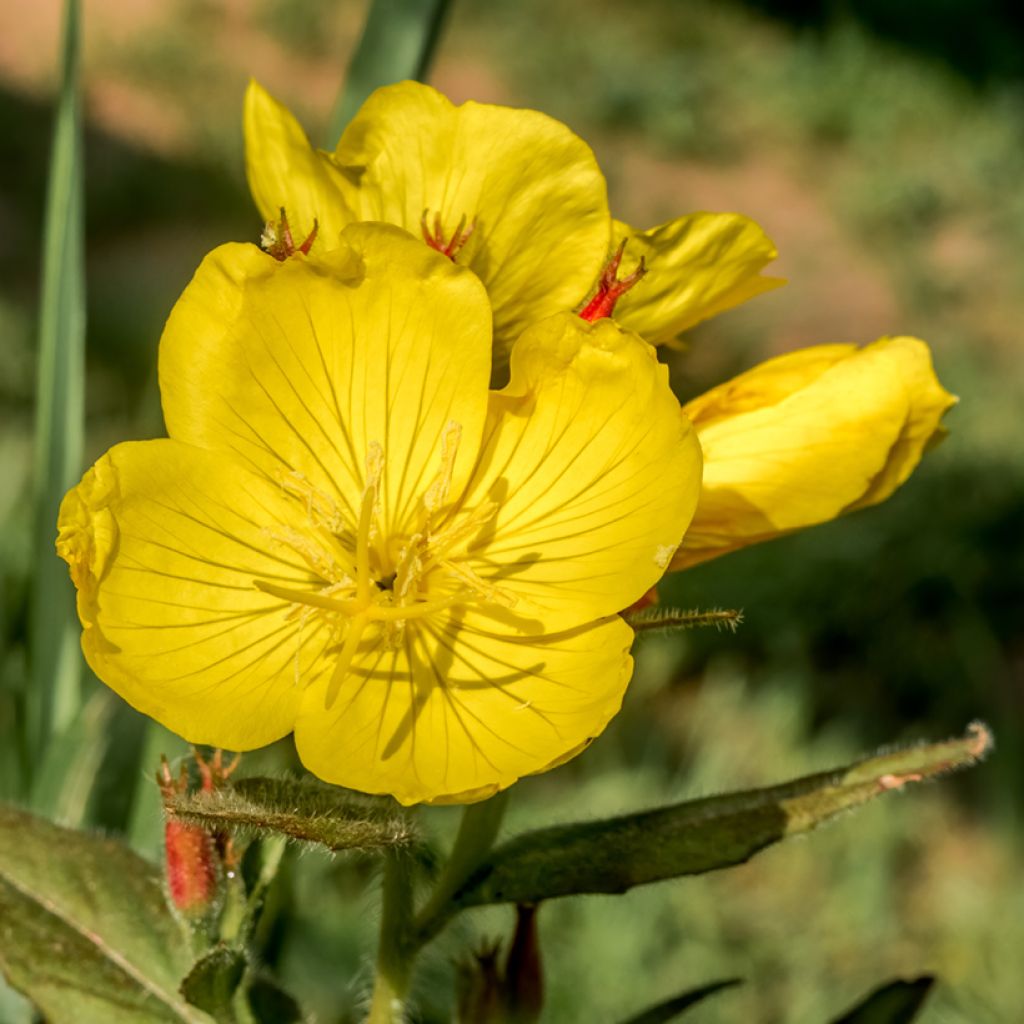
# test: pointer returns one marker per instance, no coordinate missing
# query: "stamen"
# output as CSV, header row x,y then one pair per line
x,y
610,288
436,240
437,493
488,592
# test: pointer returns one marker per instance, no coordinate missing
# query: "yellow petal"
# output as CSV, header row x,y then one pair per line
x,y
164,542
595,470
928,401
299,368
285,171
532,188
697,266
806,436
455,714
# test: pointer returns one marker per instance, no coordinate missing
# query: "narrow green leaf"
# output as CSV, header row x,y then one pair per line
x,y
146,818
65,780
53,696
306,811
84,928
668,1010
213,981
897,1002
614,855
398,42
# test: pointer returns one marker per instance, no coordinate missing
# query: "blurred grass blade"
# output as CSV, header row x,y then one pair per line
x,y
897,1002
398,42
145,831
616,854
53,698
675,1007
68,767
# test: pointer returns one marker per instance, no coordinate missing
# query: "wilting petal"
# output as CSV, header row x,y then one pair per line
x,y
299,367
164,542
530,186
285,171
697,266
807,436
455,713
595,472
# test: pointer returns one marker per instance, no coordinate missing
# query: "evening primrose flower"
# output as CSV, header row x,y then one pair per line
x,y
348,536
807,436
512,194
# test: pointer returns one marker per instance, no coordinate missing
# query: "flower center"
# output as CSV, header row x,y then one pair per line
x,y
435,237
398,578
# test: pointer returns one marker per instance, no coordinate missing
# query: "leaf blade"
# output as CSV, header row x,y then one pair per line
x,y
301,810
85,932
896,1002
674,1007
690,838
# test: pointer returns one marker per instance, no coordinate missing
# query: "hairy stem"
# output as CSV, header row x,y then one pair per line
x,y
396,951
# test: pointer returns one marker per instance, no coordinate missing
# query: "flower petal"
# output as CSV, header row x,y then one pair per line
x,y
595,470
285,171
164,542
697,266
806,436
298,367
455,714
532,188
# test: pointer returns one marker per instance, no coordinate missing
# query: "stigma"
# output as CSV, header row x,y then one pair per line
x,y
435,236
610,287
277,240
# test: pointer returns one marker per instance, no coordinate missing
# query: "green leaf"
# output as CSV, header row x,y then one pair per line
x,y
53,695
303,810
270,1004
64,783
614,855
677,1005
85,931
897,1002
213,981
398,42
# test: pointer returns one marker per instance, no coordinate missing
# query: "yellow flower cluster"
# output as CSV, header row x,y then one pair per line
x,y
350,536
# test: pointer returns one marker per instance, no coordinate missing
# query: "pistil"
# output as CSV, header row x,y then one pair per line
x,y
436,240
611,288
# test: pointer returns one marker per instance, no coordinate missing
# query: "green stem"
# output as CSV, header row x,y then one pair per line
x,y
395,953
477,832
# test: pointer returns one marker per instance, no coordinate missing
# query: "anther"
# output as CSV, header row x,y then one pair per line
x,y
278,242
436,240
610,287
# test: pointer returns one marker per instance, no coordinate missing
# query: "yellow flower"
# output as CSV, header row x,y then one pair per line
x,y
512,194
807,436
349,537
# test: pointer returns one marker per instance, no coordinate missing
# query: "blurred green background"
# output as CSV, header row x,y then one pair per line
x,y
882,147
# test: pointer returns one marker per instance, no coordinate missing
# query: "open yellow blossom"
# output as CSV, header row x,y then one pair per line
x,y
512,194
348,536
807,436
